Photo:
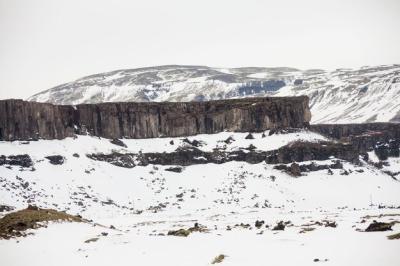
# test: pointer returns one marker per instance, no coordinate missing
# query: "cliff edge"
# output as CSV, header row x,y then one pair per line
x,y
23,120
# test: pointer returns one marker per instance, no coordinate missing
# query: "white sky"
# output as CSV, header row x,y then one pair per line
x,y
44,43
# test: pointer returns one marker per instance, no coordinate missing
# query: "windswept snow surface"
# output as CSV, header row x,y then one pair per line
x,y
367,94
145,202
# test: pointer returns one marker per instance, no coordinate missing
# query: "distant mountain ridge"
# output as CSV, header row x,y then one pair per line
x,y
367,94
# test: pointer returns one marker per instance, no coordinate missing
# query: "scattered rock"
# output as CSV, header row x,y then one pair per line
x,y
306,229
229,140
344,172
25,185
395,236
218,259
280,226
251,147
242,225
249,136
174,169
379,226
90,240
318,260
23,160
118,142
186,232
259,224
115,158
180,232
55,159
330,224
194,143
311,167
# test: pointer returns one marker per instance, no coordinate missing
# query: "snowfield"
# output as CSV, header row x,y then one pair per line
x,y
133,209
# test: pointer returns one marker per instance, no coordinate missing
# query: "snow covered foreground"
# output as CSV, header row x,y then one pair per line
x,y
145,202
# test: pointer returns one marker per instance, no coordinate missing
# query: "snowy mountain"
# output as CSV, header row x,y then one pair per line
x,y
368,94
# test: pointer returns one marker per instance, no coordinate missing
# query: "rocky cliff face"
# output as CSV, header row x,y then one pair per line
x,y
364,137
341,131
382,138
21,120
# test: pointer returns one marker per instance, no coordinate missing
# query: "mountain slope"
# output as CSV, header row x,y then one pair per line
x,y
368,94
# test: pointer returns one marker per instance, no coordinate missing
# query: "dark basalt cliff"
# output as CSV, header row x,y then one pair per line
x,y
364,137
341,131
22,120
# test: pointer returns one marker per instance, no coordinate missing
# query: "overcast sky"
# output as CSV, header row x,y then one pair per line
x,y
44,43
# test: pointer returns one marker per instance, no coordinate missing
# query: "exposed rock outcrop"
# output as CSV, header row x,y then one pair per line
x,y
307,151
379,226
340,131
363,136
21,120
23,160
55,159
295,152
16,223
383,138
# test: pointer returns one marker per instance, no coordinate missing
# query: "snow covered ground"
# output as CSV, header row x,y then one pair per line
x,y
144,203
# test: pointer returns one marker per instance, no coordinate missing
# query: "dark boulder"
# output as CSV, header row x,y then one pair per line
x,y
229,140
194,142
174,169
118,142
55,159
259,224
280,226
249,136
379,226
